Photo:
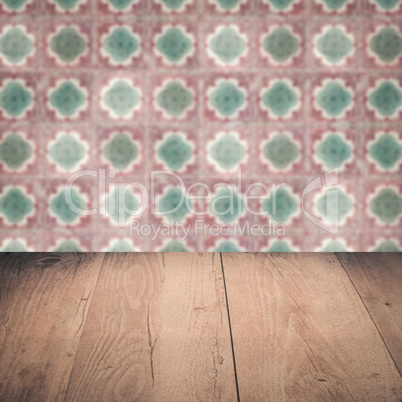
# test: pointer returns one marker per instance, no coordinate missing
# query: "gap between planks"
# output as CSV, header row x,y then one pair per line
x,y
230,329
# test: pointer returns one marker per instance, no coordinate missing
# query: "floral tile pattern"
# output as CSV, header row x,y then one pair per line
x,y
303,97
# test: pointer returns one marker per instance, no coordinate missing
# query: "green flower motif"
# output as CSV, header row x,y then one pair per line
x,y
227,5
386,99
334,5
280,99
175,99
386,151
120,46
386,45
333,151
387,246
15,206
281,45
121,246
228,246
281,5
121,99
386,206
334,45
68,246
333,99
121,206
334,246
174,45
227,206
68,45
173,205
15,99
120,5
61,210
15,5
227,45
282,206
174,5
335,209
67,5
16,45
227,151
15,151
174,246
280,246
68,151
68,99
387,5
14,246
174,151
121,152
227,99
281,151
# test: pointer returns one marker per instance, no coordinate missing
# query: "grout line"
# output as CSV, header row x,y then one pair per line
x,y
230,329
368,311
83,325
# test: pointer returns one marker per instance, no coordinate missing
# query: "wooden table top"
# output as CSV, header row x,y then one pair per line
x,y
205,327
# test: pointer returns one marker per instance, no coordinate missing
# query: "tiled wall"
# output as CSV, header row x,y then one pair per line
x,y
285,90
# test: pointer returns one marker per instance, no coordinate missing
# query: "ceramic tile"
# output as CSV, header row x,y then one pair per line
x,y
67,149
382,41
335,44
19,204
229,44
281,44
120,98
226,150
228,97
335,97
281,98
122,149
280,150
174,44
68,97
20,45
174,98
20,148
67,44
122,44
176,149
20,97
382,153
334,146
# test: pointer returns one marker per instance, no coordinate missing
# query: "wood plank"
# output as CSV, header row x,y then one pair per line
x,y
157,330
43,304
301,332
378,279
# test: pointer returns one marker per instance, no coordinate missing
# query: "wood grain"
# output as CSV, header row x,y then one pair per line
x,y
44,301
378,279
301,332
157,330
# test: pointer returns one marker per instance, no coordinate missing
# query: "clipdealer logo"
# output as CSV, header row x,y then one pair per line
x,y
147,197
